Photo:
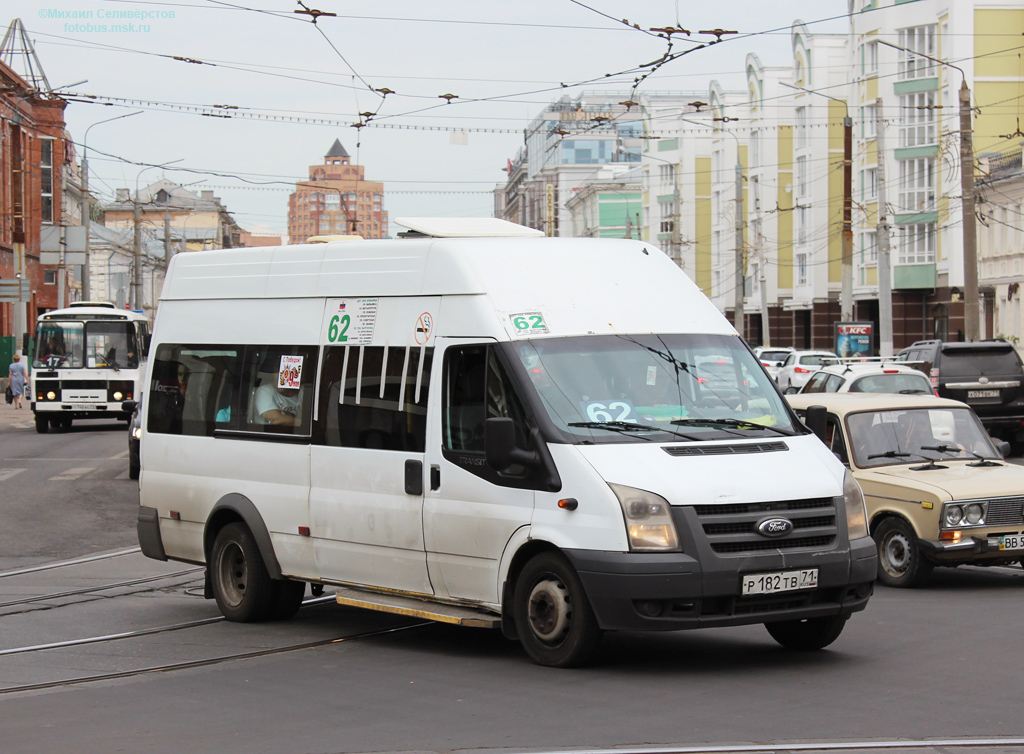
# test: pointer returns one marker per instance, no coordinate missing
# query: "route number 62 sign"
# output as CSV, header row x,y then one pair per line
x,y
528,323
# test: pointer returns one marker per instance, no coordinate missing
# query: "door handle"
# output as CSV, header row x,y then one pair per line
x,y
413,477
435,477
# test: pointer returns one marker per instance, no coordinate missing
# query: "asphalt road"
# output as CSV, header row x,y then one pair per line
x,y
939,663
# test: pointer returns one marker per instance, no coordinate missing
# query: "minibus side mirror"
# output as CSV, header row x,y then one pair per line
x,y
500,447
146,340
815,419
128,407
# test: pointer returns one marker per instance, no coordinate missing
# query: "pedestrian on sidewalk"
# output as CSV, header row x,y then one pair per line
x,y
18,376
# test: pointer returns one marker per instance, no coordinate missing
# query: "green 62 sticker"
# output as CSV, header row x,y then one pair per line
x,y
528,323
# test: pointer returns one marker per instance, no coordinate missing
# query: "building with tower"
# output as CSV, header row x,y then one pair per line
x,y
337,200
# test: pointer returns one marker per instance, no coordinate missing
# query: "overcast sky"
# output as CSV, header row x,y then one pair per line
x,y
503,61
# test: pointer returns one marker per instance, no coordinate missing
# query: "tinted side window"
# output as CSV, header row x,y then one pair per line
x,y
972,362
816,384
276,390
376,397
190,386
476,389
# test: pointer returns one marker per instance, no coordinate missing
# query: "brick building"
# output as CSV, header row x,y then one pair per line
x,y
337,200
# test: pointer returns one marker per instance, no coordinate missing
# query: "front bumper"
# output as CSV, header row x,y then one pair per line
x,y
968,550
625,589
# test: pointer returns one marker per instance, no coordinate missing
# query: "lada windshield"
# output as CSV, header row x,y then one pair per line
x,y
884,438
610,388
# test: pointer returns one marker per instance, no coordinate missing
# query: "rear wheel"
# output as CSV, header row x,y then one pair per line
x,y
42,424
807,635
900,562
553,617
241,585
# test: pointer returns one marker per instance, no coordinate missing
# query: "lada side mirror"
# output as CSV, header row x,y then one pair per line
x,y
815,419
1003,447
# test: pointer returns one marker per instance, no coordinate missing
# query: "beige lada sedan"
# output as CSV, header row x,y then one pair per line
x,y
937,488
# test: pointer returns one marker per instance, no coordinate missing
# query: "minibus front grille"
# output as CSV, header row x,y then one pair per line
x,y
725,450
732,529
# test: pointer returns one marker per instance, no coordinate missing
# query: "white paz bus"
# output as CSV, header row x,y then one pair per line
x,y
89,358
550,437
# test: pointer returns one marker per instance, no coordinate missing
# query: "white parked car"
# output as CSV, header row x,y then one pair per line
x,y
772,357
869,377
798,367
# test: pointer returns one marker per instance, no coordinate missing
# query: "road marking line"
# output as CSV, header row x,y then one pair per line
x,y
123,475
6,474
119,455
72,474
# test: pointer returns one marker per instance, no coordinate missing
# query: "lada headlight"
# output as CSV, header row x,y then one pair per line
x,y
649,522
856,507
956,515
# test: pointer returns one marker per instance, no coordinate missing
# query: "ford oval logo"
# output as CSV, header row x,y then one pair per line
x,y
774,527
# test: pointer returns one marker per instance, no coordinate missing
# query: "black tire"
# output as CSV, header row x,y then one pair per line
x,y
244,591
552,615
900,561
807,635
42,424
65,422
287,598
133,471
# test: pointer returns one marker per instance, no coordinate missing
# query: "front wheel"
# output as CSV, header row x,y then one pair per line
x,y
42,424
900,562
807,635
552,614
244,591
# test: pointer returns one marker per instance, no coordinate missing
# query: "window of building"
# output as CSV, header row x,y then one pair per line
x,y
916,39
869,58
868,125
49,277
46,178
667,174
916,243
869,184
800,262
801,176
803,221
917,119
917,185
801,127
667,215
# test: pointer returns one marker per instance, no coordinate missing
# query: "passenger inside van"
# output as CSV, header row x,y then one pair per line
x,y
277,405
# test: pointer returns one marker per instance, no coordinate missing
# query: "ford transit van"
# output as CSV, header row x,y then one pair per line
x,y
478,425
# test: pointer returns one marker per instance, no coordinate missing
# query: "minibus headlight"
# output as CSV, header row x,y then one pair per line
x,y
649,524
117,395
856,508
51,396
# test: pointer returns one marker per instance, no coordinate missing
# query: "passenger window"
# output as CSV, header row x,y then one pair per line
x,y
190,385
833,384
476,389
816,384
277,390
834,439
376,397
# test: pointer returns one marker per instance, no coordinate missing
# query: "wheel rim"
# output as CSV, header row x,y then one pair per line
x,y
233,574
550,611
896,554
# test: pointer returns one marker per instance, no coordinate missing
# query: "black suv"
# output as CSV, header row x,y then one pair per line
x,y
986,374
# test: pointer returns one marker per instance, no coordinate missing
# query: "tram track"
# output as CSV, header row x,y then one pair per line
x,y
946,744
67,563
94,589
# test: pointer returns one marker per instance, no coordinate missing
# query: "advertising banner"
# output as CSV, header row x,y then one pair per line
x,y
854,339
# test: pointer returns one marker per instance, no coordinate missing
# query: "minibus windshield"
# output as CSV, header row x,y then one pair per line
x,y
607,388
92,344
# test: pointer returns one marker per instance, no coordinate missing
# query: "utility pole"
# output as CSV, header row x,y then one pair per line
x,y
766,336
884,274
739,245
136,287
846,291
972,315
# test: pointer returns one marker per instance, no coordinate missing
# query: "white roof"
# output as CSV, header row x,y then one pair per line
x,y
467,227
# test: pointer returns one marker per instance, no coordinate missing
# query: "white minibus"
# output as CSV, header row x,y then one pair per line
x,y
551,437
89,358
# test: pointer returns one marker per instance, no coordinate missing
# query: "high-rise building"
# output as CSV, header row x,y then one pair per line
x,y
337,200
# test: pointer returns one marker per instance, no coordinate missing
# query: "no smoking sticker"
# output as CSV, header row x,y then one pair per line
x,y
424,327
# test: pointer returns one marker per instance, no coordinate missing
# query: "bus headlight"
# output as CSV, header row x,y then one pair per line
x,y
51,396
856,508
117,395
649,524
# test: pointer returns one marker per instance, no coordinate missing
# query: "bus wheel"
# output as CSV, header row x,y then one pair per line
x,y
807,635
42,424
287,598
244,591
65,422
552,614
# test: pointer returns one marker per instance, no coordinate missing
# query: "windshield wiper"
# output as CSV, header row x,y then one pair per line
x,y
734,423
915,391
617,426
931,462
954,449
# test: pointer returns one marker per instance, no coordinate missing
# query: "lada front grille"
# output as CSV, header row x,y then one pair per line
x,y
1005,511
732,529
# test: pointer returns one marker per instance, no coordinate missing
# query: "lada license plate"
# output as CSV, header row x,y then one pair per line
x,y
779,581
982,393
1012,542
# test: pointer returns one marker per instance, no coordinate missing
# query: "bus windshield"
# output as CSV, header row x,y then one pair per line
x,y
91,344
608,388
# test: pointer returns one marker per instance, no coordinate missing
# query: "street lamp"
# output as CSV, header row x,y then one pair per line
x,y
135,300
972,313
86,283
739,317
